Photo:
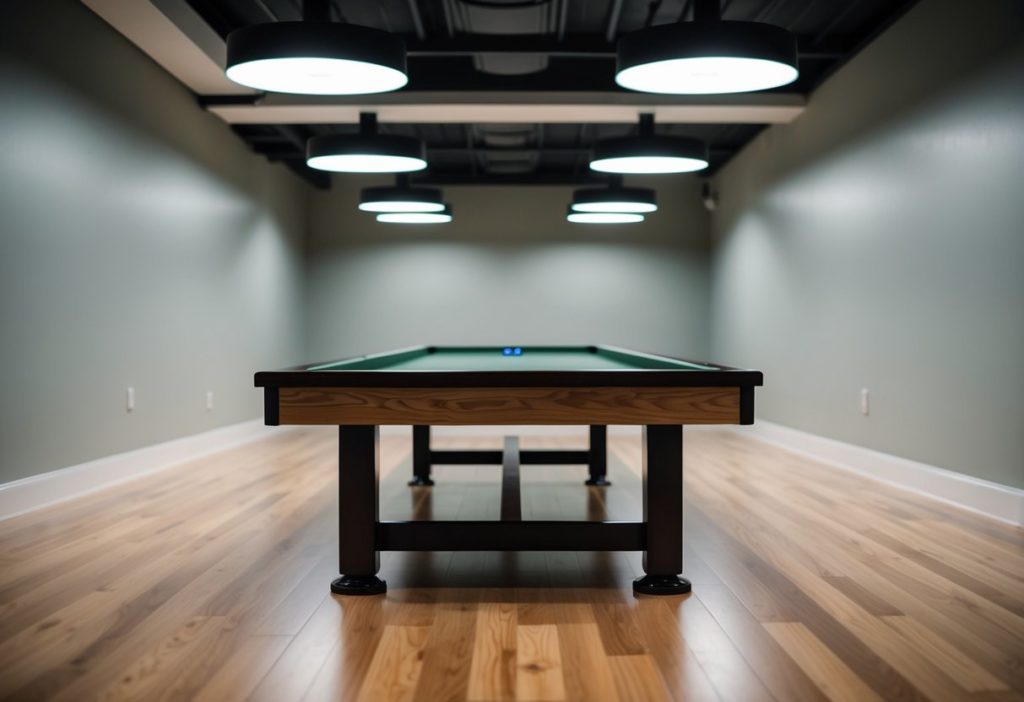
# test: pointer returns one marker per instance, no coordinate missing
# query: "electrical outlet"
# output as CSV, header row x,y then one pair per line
x,y
209,400
129,400
865,402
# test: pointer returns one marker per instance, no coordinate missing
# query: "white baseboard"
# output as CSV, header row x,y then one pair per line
x,y
34,492
990,499
982,496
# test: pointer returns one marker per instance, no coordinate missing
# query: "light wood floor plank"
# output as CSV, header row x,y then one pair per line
x,y
448,654
210,581
539,674
637,679
492,675
585,663
396,665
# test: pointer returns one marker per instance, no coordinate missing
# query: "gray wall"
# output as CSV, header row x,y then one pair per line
x,y
878,242
509,269
140,244
874,243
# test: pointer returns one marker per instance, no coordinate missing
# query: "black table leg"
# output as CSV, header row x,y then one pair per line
x,y
598,462
358,504
421,455
663,512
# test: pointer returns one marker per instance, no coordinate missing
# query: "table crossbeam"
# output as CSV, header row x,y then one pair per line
x,y
527,457
511,536
511,506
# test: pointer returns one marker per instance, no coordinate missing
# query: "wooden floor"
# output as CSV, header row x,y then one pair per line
x,y
211,582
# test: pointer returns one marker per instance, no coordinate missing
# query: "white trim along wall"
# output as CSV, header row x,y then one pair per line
x,y
987,498
999,502
38,491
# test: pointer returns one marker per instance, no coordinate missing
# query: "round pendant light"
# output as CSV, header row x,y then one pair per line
x,y
604,217
615,198
316,56
649,152
365,152
706,56
442,217
400,197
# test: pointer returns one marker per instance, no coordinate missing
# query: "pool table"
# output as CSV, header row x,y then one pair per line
x,y
429,386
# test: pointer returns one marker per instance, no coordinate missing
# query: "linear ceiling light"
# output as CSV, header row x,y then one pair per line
x,y
614,198
603,217
649,153
365,152
316,56
400,197
442,217
707,55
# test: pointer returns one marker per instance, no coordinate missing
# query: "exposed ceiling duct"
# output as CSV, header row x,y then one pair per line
x,y
503,18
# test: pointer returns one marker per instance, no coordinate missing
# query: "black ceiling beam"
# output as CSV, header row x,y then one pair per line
x,y
417,19
469,175
542,177
588,46
318,179
316,10
855,46
297,136
837,19
568,150
563,19
214,100
564,73
280,150
295,156
613,20
574,45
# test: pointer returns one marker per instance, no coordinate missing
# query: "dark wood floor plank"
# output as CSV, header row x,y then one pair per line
x,y
679,668
779,673
870,665
980,620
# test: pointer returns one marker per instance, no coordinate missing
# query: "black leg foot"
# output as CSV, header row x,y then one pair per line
x,y
421,482
599,482
359,585
661,585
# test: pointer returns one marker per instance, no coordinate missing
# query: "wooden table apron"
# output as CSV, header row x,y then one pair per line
x,y
501,405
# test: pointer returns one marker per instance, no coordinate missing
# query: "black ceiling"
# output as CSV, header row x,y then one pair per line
x,y
558,45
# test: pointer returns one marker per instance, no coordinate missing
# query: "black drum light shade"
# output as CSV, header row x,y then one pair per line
x,y
706,56
442,217
603,217
316,58
648,152
400,197
366,152
614,199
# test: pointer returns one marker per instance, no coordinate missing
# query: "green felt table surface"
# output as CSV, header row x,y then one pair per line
x,y
530,359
